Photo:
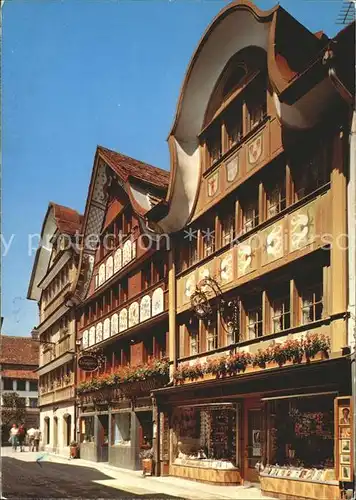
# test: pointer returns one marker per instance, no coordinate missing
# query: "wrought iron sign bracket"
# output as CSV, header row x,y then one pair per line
x,y
229,310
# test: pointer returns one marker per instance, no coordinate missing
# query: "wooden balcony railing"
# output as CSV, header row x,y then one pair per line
x,y
57,395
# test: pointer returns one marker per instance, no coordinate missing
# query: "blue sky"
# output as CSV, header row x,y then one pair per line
x,y
80,73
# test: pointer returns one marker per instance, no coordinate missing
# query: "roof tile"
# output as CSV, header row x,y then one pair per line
x,y
127,167
68,220
19,350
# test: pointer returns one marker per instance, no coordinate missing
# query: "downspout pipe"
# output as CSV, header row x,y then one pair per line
x,y
351,210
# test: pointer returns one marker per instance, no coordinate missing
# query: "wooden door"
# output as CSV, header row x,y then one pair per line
x,y
252,438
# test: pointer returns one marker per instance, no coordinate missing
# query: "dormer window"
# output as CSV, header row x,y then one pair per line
x,y
256,102
213,143
233,124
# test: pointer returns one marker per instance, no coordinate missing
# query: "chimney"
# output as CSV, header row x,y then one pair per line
x,y
34,334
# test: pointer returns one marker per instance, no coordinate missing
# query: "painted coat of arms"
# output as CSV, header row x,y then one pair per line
x,y
232,168
255,149
213,184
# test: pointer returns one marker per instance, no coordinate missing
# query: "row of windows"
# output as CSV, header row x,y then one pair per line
x,y
116,233
242,115
265,312
257,201
58,378
152,272
58,329
10,384
57,284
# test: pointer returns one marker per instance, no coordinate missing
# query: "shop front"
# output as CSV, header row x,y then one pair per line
x,y
94,436
131,433
116,432
204,442
277,429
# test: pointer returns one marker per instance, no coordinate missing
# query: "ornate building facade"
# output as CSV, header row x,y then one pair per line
x,y
122,310
54,271
260,161
213,307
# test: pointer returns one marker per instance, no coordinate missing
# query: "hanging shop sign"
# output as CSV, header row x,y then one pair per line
x,y
88,363
344,438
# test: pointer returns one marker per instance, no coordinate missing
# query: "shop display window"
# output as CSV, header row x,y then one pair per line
x,y
87,430
122,429
205,436
301,432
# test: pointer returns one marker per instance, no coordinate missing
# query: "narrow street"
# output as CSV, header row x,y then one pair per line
x,y
55,477
23,477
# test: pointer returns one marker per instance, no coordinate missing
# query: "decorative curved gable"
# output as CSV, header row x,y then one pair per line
x,y
239,26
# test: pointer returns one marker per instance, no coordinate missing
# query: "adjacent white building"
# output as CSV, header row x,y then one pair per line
x,y
54,272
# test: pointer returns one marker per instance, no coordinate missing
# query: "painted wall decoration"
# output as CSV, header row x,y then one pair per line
x,y
107,325
157,302
145,308
85,339
102,272
133,314
92,336
109,267
302,227
244,258
255,150
273,243
126,318
123,320
126,252
232,168
213,184
114,263
204,272
117,260
226,268
189,286
95,220
114,324
100,193
99,332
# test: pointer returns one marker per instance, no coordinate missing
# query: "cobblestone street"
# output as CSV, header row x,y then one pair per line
x,y
56,477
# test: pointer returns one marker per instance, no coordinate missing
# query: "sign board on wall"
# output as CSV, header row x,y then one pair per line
x,y
88,363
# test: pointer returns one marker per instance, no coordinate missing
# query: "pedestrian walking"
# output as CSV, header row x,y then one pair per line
x,y
31,438
37,438
14,436
21,436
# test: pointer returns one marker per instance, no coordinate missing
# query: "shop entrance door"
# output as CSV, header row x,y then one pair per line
x,y
103,438
55,434
252,438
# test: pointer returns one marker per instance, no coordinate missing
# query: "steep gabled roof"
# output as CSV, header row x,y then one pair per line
x,y
145,186
127,167
19,350
66,221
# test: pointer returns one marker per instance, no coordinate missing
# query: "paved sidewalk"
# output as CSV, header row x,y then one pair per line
x,y
134,482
